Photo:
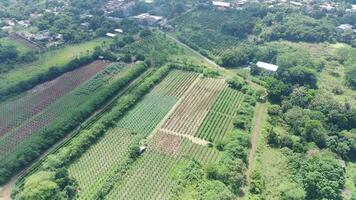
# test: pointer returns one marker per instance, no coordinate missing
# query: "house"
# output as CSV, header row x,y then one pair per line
x,y
24,23
42,37
111,35
295,3
327,7
146,18
267,66
85,24
221,4
344,27
119,30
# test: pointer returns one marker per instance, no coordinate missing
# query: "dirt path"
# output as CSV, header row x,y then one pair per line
x,y
258,122
5,191
193,139
225,72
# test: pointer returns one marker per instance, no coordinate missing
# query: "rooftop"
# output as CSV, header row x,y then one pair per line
x,y
221,4
267,66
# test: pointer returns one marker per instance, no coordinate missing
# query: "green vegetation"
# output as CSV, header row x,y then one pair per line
x,y
48,66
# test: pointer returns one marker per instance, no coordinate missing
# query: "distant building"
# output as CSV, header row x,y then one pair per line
x,y
119,30
111,35
146,18
42,37
221,4
344,27
327,7
85,24
295,3
267,66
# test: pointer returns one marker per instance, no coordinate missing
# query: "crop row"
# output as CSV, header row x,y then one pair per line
x,y
176,83
220,118
36,100
188,116
113,147
56,110
93,167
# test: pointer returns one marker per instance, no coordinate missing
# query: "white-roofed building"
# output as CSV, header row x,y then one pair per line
x,y
221,4
344,27
112,35
267,66
119,30
147,18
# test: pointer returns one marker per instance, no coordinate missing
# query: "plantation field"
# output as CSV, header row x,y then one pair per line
x,y
57,100
49,59
208,38
170,120
37,99
137,123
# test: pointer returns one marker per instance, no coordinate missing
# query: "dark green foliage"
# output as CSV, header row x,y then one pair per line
x,y
350,76
135,151
323,177
8,53
257,184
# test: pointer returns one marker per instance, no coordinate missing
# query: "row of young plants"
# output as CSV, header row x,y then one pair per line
x,y
39,142
66,155
222,179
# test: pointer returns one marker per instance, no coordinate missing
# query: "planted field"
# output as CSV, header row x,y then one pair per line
x,y
168,120
54,107
209,38
189,115
220,117
137,123
36,100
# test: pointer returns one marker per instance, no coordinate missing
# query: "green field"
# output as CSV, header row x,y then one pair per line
x,y
19,46
49,59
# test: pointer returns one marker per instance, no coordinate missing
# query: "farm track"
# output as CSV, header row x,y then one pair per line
x,y
6,189
193,139
258,123
227,73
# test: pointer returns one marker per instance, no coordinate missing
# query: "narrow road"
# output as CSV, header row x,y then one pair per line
x,y
258,122
214,64
6,189
257,127
194,51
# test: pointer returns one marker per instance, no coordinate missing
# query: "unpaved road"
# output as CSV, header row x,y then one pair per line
x,y
258,122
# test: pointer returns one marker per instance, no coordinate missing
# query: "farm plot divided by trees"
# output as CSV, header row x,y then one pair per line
x,y
25,141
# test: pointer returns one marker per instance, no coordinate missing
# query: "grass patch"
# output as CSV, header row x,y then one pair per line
x,y
58,57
